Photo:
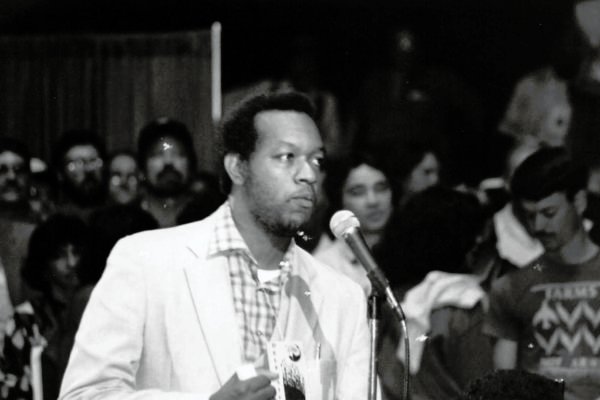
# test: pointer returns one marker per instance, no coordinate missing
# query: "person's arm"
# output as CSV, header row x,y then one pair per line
x,y
110,342
502,322
15,377
505,354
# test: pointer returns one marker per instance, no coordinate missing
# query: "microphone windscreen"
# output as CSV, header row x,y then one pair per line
x,y
341,222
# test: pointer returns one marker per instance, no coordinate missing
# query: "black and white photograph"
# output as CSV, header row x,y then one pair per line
x,y
300,199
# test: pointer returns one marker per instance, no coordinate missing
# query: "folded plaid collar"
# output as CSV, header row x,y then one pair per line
x,y
227,239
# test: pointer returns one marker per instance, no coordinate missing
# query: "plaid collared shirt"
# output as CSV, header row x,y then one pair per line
x,y
256,304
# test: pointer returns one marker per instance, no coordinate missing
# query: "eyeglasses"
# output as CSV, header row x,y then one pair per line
x,y
80,164
16,169
117,180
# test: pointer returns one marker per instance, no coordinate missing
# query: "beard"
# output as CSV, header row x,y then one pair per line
x,y
90,191
169,182
274,216
272,223
12,192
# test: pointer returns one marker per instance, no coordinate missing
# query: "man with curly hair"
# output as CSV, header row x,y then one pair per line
x,y
190,312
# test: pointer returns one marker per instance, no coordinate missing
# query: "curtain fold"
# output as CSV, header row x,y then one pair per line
x,y
111,83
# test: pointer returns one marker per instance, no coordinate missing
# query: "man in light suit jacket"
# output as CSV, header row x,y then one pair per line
x,y
180,310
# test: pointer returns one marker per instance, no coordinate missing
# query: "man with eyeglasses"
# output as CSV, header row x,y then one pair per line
x,y
14,177
79,165
17,220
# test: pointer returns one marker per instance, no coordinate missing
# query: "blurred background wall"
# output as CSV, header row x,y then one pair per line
x,y
487,44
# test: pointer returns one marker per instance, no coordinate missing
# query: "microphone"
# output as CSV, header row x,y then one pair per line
x,y
346,226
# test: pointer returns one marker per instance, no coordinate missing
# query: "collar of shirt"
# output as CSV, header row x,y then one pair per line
x,y
228,240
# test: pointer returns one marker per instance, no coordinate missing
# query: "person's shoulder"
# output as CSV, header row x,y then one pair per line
x,y
458,319
310,260
331,280
519,279
327,251
533,268
165,239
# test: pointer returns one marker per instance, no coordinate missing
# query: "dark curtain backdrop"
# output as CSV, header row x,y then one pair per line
x,y
113,84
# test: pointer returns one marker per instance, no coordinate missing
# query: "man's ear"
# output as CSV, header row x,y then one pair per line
x,y
580,201
235,168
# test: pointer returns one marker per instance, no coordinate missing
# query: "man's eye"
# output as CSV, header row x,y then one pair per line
x,y
318,162
549,213
287,157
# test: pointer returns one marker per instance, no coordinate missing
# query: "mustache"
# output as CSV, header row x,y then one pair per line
x,y
308,194
169,170
11,185
91,178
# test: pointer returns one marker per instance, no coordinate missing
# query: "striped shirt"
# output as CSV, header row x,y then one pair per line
x,y
256,304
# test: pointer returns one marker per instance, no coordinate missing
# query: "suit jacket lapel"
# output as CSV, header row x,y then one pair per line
x,y
209,286
300,305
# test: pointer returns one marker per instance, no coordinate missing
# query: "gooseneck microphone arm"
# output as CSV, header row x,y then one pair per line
x,y
379,282
345,225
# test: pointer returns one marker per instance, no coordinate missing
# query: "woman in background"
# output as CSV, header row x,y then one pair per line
x,y
36,350
361,184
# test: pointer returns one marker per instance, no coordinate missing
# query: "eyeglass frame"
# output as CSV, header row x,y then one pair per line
x,y
81,164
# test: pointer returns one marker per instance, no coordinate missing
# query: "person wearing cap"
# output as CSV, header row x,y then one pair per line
x,y
361,184
167,160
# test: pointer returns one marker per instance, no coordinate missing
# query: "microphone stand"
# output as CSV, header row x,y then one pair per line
x,y
379,287
374,313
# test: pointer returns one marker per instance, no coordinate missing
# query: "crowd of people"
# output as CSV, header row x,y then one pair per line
x,y
498,281
60,222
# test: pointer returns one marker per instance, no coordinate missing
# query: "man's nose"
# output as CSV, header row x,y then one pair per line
x,y
123,181
539,223
170,161
307,172
11,174
434,178
168,157
72,259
